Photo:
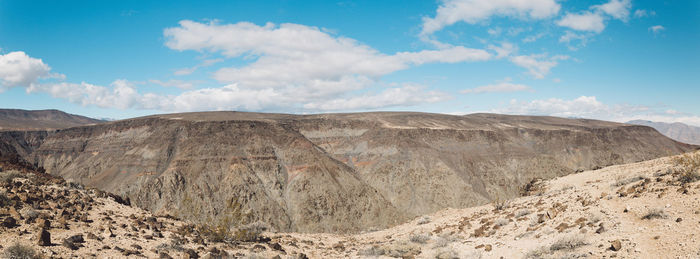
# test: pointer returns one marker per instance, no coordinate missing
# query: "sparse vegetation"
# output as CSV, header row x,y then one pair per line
x,y
446,254
656,213
419,238
423,220
568,243
500,204
372,251
523,212
501,222
9,176
625,181
18,251
688,168
534,187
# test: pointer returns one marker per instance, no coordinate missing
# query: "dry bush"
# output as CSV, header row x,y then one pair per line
x,y
499,204
223,233
625,181
372,251
424,220
9,176
501,222
657,213
688,167
419,238
534,187
447,254
18,251
523,212
568,243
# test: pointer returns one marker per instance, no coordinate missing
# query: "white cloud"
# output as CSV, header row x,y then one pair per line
x,y
473,11
590,107
533,38
503,87
618,9
190,70
586,21
537,65
656,29
641,13
403,96
122,94
292,55
19,69
504,50
176,83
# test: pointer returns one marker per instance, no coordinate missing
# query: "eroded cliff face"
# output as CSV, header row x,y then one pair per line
x,y
335,172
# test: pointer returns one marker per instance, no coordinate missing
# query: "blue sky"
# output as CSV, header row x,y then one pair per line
x,y
613,59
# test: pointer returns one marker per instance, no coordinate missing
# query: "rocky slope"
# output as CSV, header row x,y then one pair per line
x,y
649,209
13,119
332,172
678,131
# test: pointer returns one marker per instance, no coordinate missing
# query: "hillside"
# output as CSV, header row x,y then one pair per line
x,y
649,209
12,119
677,131
330,172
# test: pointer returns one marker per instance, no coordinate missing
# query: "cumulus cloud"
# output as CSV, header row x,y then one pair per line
x,y
293,55
473,11
594,19
538,65
641,13
656,29
19,69
618,9
401,96
287,67
586,21
503,87
590,107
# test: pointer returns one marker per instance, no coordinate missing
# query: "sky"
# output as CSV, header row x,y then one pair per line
x,y
613,60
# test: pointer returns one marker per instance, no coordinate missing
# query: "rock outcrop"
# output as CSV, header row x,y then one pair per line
x,y
333,172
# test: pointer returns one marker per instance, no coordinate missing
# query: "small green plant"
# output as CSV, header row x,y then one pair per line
x,y
18,251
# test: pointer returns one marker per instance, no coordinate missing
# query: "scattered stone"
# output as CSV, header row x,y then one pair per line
x,y
137,247
164,255
488,248
192,254
43,237
9,222
679,219
616,245
43,223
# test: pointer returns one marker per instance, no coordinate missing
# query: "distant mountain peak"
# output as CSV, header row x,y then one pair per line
x,y
677,130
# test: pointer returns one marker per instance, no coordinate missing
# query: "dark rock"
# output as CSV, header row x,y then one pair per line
x,y
76,239
43,223
616,245
164,255
679,219
137,247
9,222
43,237
191,254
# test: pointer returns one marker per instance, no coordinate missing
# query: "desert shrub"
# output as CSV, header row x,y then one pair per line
x,y
625,181
419,238
500,204
401,250
372,251
538,253
423,220
594,217
29,213
523,212
687,166
251,232
4,201
534,187
656,213
568,243
18,251
501,222
446,254
175,244
254,256
9,176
